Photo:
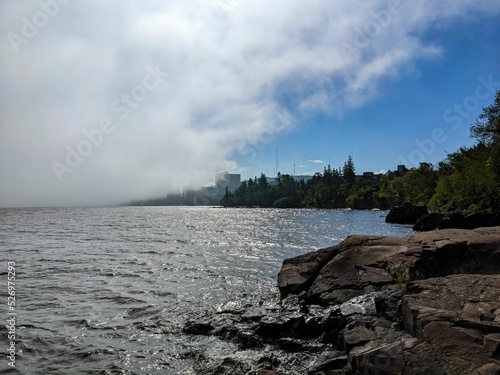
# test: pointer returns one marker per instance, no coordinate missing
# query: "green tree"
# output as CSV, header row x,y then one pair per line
x,y
349,172
417,186
469,183
470,177
486,128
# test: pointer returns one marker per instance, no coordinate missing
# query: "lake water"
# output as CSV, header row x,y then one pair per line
x,y
108,290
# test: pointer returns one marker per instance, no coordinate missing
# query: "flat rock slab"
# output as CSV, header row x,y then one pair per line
x,y
362,264
459,317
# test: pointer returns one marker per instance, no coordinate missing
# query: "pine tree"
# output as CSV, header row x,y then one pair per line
x,y
349,172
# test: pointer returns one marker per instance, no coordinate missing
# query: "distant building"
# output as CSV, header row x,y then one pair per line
x,y
402,169
229,180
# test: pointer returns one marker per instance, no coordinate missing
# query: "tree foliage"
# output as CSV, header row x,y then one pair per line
x,y
331,189
470,177
468,180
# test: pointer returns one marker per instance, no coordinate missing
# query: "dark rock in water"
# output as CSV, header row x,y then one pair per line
x,y
282,326
481,220
456,220
422,304
197,328
428,222
407,213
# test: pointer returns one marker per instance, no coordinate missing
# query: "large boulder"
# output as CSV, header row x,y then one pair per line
x,y
428,222
362,264
407,213
298,273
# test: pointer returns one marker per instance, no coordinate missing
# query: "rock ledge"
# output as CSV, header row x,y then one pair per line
x,y
427,303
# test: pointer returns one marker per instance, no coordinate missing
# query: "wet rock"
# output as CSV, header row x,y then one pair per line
x,y
407,213
363,305
427,303
282,326
197,328
267,363
298,345
256,313
231,307
327,361
248,338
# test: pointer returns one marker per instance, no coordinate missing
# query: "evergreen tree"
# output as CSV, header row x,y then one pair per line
x,y
349,172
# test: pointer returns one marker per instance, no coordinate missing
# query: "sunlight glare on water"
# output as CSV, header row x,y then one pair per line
x,y
107,290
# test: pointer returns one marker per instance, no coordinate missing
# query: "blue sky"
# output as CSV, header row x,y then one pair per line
x,y
384,131
105,102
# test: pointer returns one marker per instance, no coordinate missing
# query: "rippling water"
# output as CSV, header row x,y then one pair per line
x,y
107,290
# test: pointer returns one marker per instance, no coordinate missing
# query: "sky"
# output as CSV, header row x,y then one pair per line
x,y
102,102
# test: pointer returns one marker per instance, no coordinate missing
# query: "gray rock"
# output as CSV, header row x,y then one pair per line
x,y
327,361
356,336
407,213
363,305
337,274
256,313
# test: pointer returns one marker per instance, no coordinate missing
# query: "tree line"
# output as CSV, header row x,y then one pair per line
x,y
468,180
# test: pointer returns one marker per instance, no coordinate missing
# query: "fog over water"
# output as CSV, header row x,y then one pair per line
x,y
103,102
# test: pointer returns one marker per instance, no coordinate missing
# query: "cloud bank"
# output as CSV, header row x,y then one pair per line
x,y
103,102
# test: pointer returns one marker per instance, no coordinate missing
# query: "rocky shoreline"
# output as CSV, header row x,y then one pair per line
x,y
422,304
423,221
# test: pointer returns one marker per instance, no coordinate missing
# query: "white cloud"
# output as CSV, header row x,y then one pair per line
x,y
235,74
